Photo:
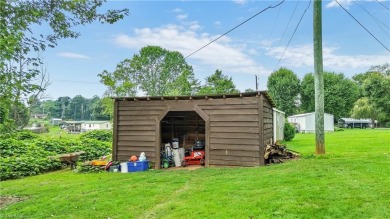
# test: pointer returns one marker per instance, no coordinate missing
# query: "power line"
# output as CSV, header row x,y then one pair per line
x,y
375,19
308,6
362,26
273,26
269,7
288,23
383,5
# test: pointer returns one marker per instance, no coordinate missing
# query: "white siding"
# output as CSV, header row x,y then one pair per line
x,y
279,118
306,122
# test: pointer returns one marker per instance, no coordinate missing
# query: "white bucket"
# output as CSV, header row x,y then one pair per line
x,y
176,157
124,167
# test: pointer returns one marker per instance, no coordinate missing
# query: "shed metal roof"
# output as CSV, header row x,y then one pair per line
x,y
198,97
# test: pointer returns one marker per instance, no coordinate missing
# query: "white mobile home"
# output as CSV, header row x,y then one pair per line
x,y
95,125
306,122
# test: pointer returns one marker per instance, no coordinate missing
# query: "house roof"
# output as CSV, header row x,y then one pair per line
x,y
95,122
306,114
81,122
198,97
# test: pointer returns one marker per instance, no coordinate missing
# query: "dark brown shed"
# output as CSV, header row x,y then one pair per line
x,y
235,127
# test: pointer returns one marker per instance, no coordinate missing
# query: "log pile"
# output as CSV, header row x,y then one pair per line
x,y
278,153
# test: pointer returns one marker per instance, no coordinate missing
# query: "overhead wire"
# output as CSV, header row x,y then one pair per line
x,y
295,30
363,26
273,26
288,23
375,19
240,24
383,5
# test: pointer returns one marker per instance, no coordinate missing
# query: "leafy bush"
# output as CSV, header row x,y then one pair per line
x,y
101,135
29,156
289,131
19,135
17,167
88,169
387,125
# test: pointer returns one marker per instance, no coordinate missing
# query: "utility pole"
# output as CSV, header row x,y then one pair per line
x,y
257,84
318,77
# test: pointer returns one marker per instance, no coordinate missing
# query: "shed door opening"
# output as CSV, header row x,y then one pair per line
x,y
183,135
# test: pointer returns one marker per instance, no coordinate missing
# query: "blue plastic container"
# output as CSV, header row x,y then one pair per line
x,y
138,166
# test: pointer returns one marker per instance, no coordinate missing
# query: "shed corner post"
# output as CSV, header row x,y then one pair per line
x,y
115,132
158,137
206,119
261,130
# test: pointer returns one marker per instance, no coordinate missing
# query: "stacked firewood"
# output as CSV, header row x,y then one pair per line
x,y
278,153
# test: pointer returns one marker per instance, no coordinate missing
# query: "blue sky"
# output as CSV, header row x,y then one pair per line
x,y
253,48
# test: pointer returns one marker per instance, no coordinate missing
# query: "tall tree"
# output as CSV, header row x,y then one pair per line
x,y
155,71
364,110
377,89
218,83
18,41
284,86
340,94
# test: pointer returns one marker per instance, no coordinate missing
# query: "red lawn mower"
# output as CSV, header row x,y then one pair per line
x,y
196,155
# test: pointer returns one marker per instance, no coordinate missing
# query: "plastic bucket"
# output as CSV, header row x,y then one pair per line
x,y
124,167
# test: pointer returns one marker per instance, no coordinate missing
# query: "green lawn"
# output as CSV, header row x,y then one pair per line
x,y
57,132
351,181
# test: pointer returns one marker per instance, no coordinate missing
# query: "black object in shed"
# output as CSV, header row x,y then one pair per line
x,y
235,127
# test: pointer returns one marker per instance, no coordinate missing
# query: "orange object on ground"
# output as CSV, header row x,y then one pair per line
x,y
133,159
99,163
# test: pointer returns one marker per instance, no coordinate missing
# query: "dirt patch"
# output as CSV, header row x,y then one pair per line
x,y
8,200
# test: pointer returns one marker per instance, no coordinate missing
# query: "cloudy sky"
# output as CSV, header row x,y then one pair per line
x,y
258,47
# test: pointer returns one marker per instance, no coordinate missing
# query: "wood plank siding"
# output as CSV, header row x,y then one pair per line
x,y
236,128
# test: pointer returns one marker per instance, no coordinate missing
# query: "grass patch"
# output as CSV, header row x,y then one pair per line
x,y
351,181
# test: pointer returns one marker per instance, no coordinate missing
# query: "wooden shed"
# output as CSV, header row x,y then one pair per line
x,y
235,127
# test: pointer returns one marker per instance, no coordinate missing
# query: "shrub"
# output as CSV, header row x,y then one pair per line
x,y
289,131
101,135
17,167
387,125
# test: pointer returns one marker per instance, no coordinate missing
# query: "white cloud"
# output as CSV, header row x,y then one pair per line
x,y
181,17
218,55
177,10
73,55
217,23
344,3
302,56
240,2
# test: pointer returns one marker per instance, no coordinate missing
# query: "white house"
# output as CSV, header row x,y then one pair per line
x,y
279,117
95,125
306,122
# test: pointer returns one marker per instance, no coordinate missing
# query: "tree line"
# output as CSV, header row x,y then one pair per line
x,y
365,95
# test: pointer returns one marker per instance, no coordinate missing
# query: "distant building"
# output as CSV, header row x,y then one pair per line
x,y
354,123
306,122
55,121
39,116
95,125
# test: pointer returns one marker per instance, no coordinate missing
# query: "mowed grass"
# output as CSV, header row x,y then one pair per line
x,y
351,181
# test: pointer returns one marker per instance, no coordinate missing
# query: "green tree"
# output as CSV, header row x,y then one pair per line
x,y
121,82
283,86
18,41
377,89
218,83
340,94
155,71
364,110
